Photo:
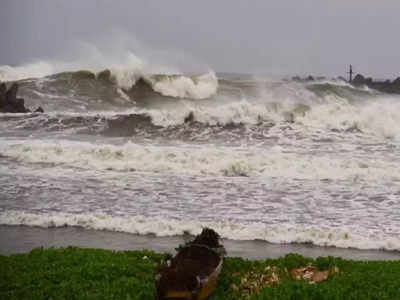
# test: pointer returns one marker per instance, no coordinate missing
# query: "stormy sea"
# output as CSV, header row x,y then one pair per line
x,y
125,159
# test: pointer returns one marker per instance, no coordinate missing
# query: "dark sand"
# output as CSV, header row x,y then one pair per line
x,y
19,239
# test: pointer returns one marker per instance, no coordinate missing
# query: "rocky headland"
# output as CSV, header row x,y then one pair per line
x,y
10,103
385,86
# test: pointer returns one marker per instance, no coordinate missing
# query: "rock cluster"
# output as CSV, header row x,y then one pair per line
x,y
387,86
9,103
308,78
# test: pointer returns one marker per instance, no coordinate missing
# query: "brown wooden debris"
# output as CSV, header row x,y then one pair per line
x,y
312,274
253,281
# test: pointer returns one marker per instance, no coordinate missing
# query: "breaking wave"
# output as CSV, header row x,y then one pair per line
x,y
379,118
203,160
168,85
282,234
165,97
120,62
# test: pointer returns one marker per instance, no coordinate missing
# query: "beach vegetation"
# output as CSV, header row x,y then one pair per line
x,y
76,273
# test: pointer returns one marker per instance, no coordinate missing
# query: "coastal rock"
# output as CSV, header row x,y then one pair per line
x,y
3,91
11,94
9,103
396,83
296,78
386,86
19,104
189,118
305,79
358,80
368,81
3,88
310,78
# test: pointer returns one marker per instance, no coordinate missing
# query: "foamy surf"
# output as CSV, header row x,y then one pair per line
x,y
256,159
196,87
282,234
202,160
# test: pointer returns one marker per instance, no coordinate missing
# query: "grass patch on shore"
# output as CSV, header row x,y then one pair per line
x,y
76,273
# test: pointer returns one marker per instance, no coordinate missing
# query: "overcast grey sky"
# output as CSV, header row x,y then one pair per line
x,y
277,37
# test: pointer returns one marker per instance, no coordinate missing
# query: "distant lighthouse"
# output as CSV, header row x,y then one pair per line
x,y
350,73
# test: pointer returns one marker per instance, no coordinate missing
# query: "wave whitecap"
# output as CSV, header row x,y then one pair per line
x,y
125,74
282,234
178,86
197,160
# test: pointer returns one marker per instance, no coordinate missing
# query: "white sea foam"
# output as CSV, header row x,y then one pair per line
x,y
288,233
236,112
199,87
380,117
204,160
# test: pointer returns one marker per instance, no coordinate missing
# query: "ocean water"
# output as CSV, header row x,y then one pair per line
x,y
255,158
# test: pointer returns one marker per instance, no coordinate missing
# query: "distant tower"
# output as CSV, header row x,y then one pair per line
x,y
350,73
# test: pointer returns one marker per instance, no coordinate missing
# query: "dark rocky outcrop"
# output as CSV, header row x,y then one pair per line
x,y
309,78
358,80
3,91
392,87
387,86
305,79
189,118
396,83
9,103
11,94
296,78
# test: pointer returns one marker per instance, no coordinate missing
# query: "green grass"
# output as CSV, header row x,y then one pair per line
x,y
75,273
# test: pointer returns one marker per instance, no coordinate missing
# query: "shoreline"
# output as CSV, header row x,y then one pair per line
x,y
22,239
